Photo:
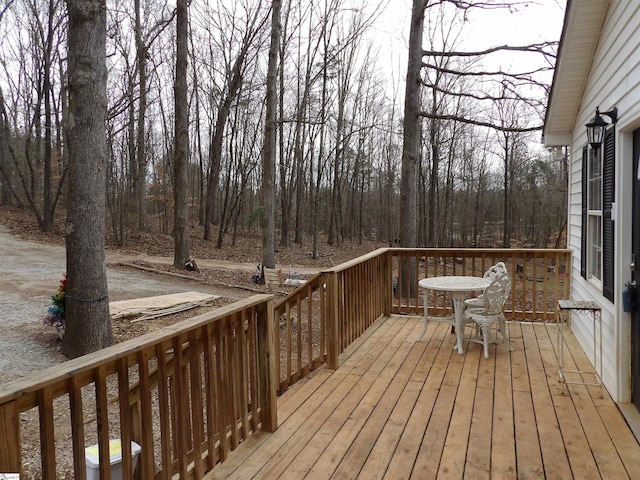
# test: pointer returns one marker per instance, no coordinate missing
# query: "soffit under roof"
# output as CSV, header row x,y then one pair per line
x,y
580,35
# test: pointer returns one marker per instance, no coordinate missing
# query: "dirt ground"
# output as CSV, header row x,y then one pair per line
x,y
32,264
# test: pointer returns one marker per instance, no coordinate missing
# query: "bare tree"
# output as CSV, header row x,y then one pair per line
x,y
492,86
233,79
88,325
411,127
4,7
411,146
143,44
6,168
269,145
181,143
34,47
140,150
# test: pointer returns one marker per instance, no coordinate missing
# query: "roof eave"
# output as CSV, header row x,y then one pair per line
x,y
580,34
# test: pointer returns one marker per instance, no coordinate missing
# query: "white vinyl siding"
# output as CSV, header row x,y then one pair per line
x,y
613,81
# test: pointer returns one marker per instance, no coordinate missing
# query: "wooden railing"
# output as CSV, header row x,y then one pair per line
x,y
301,331
190,393
539,278
318,320
187,394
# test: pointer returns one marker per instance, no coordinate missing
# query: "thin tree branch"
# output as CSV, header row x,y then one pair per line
x,y
480,123
481,73
5,8
533,48
508,87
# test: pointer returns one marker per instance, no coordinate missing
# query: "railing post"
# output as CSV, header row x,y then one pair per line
x,y
10,454
387,279
333,332
268,376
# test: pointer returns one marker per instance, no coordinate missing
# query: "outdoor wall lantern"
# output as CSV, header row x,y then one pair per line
x,y
597,126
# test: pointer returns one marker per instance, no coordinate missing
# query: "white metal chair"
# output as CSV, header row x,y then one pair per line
x,y
495,297
493,271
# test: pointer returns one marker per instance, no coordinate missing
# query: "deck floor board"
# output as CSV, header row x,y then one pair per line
x,y
398,408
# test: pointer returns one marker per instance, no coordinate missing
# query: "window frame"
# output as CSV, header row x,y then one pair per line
x,y
594,217
600,257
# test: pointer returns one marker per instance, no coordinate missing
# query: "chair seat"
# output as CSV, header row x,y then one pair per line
x,y
490,312
475,302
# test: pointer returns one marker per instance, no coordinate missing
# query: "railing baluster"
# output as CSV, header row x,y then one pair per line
x,y
77,428
122,366
146,423
197,403
221,390
299,342
102,420
289,344
10,451
164,410
47,434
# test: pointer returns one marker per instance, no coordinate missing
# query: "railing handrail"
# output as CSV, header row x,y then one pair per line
x,y
216,370
21,388
478,249
278,304
357,261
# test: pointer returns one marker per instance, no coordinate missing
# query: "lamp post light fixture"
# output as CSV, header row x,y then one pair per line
x,y
597,126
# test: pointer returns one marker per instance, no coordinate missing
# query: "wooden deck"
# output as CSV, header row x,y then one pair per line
x,y
397,408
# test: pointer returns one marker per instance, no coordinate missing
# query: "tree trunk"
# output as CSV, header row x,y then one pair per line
x,y
269,146
286,184
337,161
201,174
411,147
6,186
141,51
505,195
88,325
181,161
411,127
433,205
131,190
47,210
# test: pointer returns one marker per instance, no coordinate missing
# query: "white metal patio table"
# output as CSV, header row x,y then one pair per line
x,y
458,286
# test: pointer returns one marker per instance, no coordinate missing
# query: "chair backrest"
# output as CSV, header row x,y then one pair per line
x,y
496,294
495,270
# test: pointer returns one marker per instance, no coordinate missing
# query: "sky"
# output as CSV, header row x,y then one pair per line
x,y
530,22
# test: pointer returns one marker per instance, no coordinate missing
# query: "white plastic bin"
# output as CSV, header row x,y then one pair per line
x,y
92,458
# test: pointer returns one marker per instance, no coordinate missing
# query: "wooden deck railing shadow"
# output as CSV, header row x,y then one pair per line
x,y
187,394
192,392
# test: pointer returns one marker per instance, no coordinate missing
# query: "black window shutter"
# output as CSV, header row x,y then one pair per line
x,y
583,234
608,197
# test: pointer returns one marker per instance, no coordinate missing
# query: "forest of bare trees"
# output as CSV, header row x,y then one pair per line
x,y
481,179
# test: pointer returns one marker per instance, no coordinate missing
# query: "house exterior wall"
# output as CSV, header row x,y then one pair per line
x,y
613,81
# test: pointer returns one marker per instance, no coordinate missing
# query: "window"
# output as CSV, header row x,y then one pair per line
x,y
594,265
598,196
594,220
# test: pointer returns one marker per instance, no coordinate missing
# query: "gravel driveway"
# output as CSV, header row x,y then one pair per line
x,y
30,273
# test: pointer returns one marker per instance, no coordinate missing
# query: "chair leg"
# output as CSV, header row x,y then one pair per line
x,y
505,335
485,339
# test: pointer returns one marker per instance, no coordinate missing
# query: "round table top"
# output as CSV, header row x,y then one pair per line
x,y
455,283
